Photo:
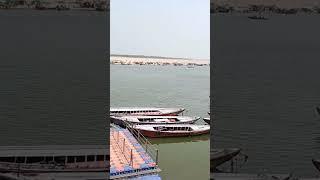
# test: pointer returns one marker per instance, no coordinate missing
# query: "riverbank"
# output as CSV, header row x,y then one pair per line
x,y
93,5
152,60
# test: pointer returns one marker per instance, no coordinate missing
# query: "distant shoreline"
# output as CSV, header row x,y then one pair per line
x,y
153,60
64,5
261,9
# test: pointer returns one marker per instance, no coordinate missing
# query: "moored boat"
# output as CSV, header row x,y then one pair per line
x,y
318,110
145,111
316,163
53,159
256,17
207,120
153,119
220,156
172,130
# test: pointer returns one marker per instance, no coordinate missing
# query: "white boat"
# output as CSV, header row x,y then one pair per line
x,y
172,130
145,111
54,159
207,120
154,119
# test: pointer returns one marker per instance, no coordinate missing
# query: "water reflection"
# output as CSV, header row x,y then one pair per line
x,y
180,140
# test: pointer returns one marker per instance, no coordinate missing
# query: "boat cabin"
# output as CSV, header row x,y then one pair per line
x,y
133,111
158,119
66,156
172,128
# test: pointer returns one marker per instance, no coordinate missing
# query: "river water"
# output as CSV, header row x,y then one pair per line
x,y
266,88
49,63
169,86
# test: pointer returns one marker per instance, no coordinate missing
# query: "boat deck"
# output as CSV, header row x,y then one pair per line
x,y
233,176
127,157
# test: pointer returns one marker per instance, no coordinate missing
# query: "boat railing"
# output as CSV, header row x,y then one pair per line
x,y
123,146
145,143
10,165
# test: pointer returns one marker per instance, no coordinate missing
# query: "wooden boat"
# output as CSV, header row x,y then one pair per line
x,y
172,130
318,110
54,159
220,156
257,17
154,119
207,120
145,111
316,163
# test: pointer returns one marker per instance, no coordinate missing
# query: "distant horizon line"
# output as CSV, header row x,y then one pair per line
x,y
159,57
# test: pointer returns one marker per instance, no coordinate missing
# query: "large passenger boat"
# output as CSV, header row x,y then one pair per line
x,y
172,130
54,159
145,111
153,119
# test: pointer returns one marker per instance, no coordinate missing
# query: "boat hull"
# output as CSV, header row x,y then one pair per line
x,y
123,123
220,158
158,134
57,169
171,112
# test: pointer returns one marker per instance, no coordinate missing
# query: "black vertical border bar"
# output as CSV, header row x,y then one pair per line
x,y
211,83
107,58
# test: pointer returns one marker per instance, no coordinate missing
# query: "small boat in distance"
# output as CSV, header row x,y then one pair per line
x,y
258,17
318,110
154,119
316,163
172,130
220,156
145,111
207,120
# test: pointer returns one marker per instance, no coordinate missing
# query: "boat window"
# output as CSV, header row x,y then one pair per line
x,y
34,159
80,158
6,159
71,159
90,158
107,157
100,157
60,159
48,158
20,159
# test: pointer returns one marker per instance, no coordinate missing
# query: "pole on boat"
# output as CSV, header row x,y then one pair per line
x,y
118,136
146,147
232,165
131,158
124,141
157,151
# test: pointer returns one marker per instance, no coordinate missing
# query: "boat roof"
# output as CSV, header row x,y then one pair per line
x,y
136,118
140,108
156,117
54,150
151,126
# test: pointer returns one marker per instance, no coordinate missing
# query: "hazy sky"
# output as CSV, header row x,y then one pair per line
x,y
175,28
